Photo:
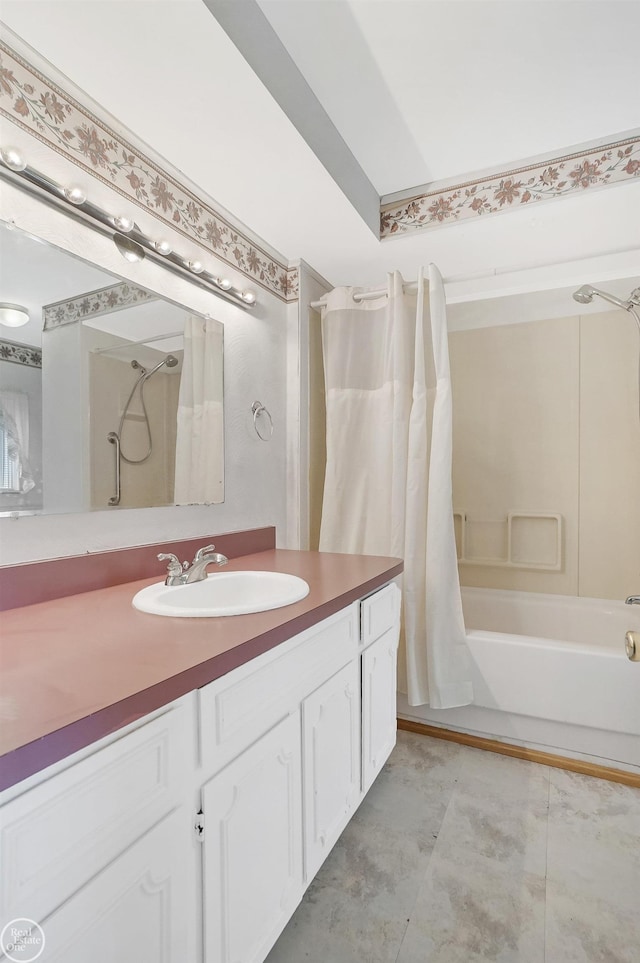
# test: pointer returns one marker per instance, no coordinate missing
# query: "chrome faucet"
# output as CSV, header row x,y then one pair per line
x,y
633,600
182,573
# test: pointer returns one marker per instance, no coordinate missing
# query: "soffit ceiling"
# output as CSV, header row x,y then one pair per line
x,y
429,91
429,95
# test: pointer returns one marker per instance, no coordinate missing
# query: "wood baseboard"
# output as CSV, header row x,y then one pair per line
x,y
521,752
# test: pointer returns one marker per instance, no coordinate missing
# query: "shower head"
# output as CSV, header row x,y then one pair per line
x,y
584,295
170,361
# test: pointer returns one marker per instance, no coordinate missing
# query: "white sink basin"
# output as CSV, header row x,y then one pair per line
x,y
222,593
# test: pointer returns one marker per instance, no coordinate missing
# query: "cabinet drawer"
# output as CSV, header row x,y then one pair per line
x,y
379,612
238,708
59,834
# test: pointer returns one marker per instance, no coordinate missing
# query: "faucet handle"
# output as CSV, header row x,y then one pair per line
x,y
175,566
633,600
202,552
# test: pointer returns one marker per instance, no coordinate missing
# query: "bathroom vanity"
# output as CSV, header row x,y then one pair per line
x,y
193,831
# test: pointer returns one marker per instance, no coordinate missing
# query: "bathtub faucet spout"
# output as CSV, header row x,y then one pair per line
x,y
633,600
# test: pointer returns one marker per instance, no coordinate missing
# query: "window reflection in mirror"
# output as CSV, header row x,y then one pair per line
x,y
98,358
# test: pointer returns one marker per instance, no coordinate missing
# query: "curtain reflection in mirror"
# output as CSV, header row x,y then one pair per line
x,y
199,441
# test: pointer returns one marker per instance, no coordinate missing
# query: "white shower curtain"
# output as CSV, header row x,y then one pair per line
x,y
388,476
199,478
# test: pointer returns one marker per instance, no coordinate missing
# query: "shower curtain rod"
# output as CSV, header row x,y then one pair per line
x,y
132,344
455,278
368,295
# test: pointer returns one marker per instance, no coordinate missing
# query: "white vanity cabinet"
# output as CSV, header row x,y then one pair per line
x,y
273,813
97,851
104,850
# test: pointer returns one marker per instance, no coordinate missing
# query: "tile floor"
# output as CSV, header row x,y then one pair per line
x,y
458,855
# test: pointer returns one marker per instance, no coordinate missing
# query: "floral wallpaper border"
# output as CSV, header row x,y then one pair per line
x,y
20,354
39,106
613,163
93,304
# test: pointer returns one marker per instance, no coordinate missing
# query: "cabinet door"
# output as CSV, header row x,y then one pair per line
x,y
253,847
378,705
139,908
61,833
331,754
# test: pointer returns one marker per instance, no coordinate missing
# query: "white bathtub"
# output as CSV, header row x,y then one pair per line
x,y
554,657
550,672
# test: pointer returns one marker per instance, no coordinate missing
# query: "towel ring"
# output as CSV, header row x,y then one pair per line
x,y
258,409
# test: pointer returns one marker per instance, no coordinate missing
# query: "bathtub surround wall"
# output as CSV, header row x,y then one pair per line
x,y
545,421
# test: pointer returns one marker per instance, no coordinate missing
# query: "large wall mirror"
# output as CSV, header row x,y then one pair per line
x,y
96,394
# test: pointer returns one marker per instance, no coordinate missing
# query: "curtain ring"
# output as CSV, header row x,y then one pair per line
x,y
258,409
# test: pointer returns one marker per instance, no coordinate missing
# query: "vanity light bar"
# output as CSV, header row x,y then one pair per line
x,y
127,236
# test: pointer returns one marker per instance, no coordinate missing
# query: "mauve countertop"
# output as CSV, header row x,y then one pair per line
x,y
77,668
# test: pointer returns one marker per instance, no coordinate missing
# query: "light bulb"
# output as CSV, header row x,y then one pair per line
x,y
124,224
13,159
162,247
224,283
196,266
248,297
74,195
